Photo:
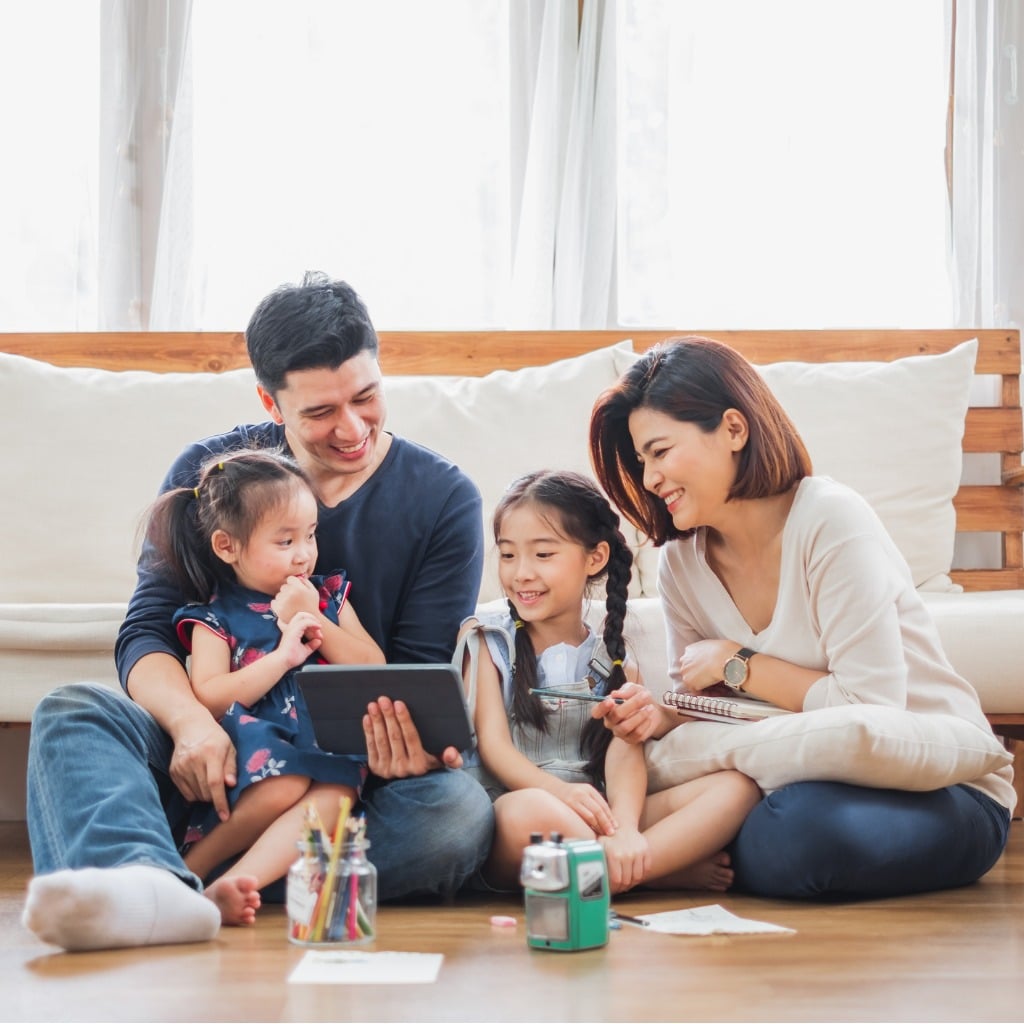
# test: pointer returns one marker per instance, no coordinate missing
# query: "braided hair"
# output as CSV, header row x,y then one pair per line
x,y
235,491
582,514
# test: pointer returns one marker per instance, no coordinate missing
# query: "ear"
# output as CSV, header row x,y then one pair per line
x,y
225,547
598,558
737,430
269,404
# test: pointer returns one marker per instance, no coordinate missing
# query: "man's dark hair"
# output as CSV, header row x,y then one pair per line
x,y
318,324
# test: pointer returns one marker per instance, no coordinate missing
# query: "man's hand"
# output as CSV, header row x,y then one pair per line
x,y
393,746
203,762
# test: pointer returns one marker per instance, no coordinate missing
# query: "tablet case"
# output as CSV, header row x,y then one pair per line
x,y
337,695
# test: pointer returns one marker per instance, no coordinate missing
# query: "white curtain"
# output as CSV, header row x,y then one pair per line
x,y
781,164
563,199
144,230
987,141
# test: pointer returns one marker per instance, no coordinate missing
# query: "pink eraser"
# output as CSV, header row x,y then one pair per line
x,y
500,921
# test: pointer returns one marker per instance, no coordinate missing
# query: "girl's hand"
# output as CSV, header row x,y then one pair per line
x,y
588,803
702,662
629,859
300,638
636,719
296,595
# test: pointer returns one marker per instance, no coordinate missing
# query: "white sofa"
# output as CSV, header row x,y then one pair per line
x,y
87,449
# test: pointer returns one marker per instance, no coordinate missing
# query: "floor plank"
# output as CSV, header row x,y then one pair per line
x,y
953,956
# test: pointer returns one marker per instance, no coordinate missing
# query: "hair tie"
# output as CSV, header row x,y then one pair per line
x,y
220,466
519,623
195,491
617,661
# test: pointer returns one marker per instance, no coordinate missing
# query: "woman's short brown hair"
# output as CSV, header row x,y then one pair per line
x,y
694,380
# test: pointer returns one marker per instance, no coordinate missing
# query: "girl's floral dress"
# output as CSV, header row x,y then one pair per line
x,y
275,735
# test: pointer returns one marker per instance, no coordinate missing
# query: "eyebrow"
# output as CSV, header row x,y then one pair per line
x,y
553,539
309,410
646,447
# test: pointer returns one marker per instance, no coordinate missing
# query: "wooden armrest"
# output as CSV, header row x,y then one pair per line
x,y
1014,477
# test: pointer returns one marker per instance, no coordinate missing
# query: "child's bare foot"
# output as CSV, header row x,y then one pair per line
x,y
713,873
237,898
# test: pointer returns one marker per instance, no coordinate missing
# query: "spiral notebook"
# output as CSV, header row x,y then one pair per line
x,y
716,709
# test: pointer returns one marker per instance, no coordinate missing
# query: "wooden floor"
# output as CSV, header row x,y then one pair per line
x,y
954,956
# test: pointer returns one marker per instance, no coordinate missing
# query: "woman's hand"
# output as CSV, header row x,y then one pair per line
x,y
296,595
702,662
636,719
629,859
588,803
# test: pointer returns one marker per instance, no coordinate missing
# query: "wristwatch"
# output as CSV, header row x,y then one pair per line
x,y
734,674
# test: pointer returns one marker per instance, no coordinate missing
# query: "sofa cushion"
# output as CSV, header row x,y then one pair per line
x,y
505,424
860,744
95,444
890,430
91,450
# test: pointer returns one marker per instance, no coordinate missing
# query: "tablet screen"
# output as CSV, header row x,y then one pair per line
x,y
337,695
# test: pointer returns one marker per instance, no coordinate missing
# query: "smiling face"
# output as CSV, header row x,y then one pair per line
x,y
542,572
283,544
334,422
692,471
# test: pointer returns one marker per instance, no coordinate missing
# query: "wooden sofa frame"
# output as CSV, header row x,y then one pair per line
x,y
991,508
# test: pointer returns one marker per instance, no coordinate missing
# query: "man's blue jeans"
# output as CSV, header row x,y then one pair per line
x,y
814,840
99,795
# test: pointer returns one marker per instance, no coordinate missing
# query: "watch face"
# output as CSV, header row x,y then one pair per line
x,y
735,671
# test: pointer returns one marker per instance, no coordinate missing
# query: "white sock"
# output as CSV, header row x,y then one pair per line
x,y
109,908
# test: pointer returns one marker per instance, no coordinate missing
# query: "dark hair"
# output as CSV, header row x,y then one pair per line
x,y
582,515
310,326
694,380
235,491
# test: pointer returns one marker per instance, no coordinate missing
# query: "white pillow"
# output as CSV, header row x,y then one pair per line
x,y
891,431
498,427
86,452
861,744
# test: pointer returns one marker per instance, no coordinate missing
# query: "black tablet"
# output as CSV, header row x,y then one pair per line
x,y
337,695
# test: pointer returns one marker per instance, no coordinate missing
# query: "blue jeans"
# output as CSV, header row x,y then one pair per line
x,y
814,840
100,795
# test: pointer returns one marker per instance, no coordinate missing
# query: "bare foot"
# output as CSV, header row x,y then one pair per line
x,y
713,873
237,898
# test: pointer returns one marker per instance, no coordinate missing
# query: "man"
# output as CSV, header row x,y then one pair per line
x,y
110,778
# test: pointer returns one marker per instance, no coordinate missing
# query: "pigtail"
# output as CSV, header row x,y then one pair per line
x,y
596,737
526,707
180,545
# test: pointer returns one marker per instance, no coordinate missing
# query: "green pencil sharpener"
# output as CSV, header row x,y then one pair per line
x,y
565,885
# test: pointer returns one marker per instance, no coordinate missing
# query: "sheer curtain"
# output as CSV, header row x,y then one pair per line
x,y
987,167
781,165
467,165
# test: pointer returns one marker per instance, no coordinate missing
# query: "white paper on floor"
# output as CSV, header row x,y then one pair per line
x,y
710,920
361,967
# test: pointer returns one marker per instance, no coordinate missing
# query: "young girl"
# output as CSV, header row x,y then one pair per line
x,y
242,545
549,765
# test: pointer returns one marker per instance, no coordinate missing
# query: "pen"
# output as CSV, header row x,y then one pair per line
x,y
640,922
547,691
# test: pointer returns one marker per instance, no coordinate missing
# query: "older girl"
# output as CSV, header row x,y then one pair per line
x,y
546,762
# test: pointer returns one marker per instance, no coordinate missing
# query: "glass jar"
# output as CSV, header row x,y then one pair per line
x,y
332,905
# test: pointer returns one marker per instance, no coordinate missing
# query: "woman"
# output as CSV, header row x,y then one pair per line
x,y
787,586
